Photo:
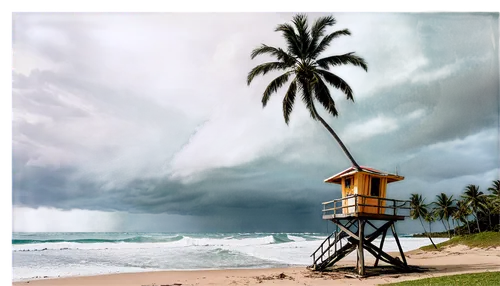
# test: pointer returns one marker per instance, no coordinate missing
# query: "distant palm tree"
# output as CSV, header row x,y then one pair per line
x,y
430,217
419,210
461,213
495,197
495,188
444,209
496,208
310,75
488,208
474,199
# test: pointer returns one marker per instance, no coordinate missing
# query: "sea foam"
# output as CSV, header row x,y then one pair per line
x,y
71,254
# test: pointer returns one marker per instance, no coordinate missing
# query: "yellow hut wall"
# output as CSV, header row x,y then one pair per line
x,y
361,184
364,188
383,189
342,185
348,191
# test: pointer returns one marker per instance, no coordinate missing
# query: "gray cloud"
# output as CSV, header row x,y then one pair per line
x,y
148,116
474,155
451,109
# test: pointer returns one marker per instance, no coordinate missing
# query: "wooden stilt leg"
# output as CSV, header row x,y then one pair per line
x,y
393,228
381,246
357,252
377,251
361,256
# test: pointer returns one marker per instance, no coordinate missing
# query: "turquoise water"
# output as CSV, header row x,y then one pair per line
x,y
72,254
116,237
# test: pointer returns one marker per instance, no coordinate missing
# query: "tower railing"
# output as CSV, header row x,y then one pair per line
x,y
356,204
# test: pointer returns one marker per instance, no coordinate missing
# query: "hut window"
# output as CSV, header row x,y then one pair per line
x,y
375,189
348,183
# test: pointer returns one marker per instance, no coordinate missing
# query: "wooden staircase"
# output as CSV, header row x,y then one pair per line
x,y
328,251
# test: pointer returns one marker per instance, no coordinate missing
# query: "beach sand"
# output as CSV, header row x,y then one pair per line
x,y
453,260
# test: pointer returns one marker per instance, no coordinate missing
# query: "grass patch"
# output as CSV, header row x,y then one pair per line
x,y
485,239
480,279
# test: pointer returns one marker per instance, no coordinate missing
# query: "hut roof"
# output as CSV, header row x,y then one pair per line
x,y
337,178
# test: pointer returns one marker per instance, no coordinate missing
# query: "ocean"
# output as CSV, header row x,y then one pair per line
x,y
49,255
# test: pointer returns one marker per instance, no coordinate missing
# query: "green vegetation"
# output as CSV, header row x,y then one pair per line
x,y
442,234
484,209
479,279
309,73
481,240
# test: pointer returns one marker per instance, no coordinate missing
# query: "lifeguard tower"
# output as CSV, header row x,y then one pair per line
x,y
363,202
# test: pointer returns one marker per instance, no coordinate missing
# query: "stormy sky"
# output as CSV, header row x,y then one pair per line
x,y
144,121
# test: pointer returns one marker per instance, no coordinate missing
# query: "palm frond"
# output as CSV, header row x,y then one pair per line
x,y
325,42
430,216
300,22
274,86
322,94
444,206
290,36
337,82
264,68
318,30
418,207
349,58
495,188
280,54
473,197
289,100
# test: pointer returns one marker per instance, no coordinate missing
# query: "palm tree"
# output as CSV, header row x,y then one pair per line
x,y
444,209
310,74
419,210
487,207
430,217
495,197
462,212
495,188
474,199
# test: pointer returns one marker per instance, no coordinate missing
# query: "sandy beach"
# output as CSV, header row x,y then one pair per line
x,y
453,260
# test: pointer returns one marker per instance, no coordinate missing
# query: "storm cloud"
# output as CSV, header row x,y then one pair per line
x,y
146,119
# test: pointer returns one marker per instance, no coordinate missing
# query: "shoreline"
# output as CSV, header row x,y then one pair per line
x,y
186,271
452,260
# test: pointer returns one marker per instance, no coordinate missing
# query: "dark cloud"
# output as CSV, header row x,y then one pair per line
x,y
451,109
474,155
462,109
255,200
446,167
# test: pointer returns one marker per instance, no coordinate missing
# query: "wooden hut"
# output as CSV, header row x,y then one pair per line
x,y
363,191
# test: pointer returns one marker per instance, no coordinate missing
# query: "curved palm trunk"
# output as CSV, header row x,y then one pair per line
x,y
477,221
489,221
446,228
428,234
449,227
462,227
344,148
